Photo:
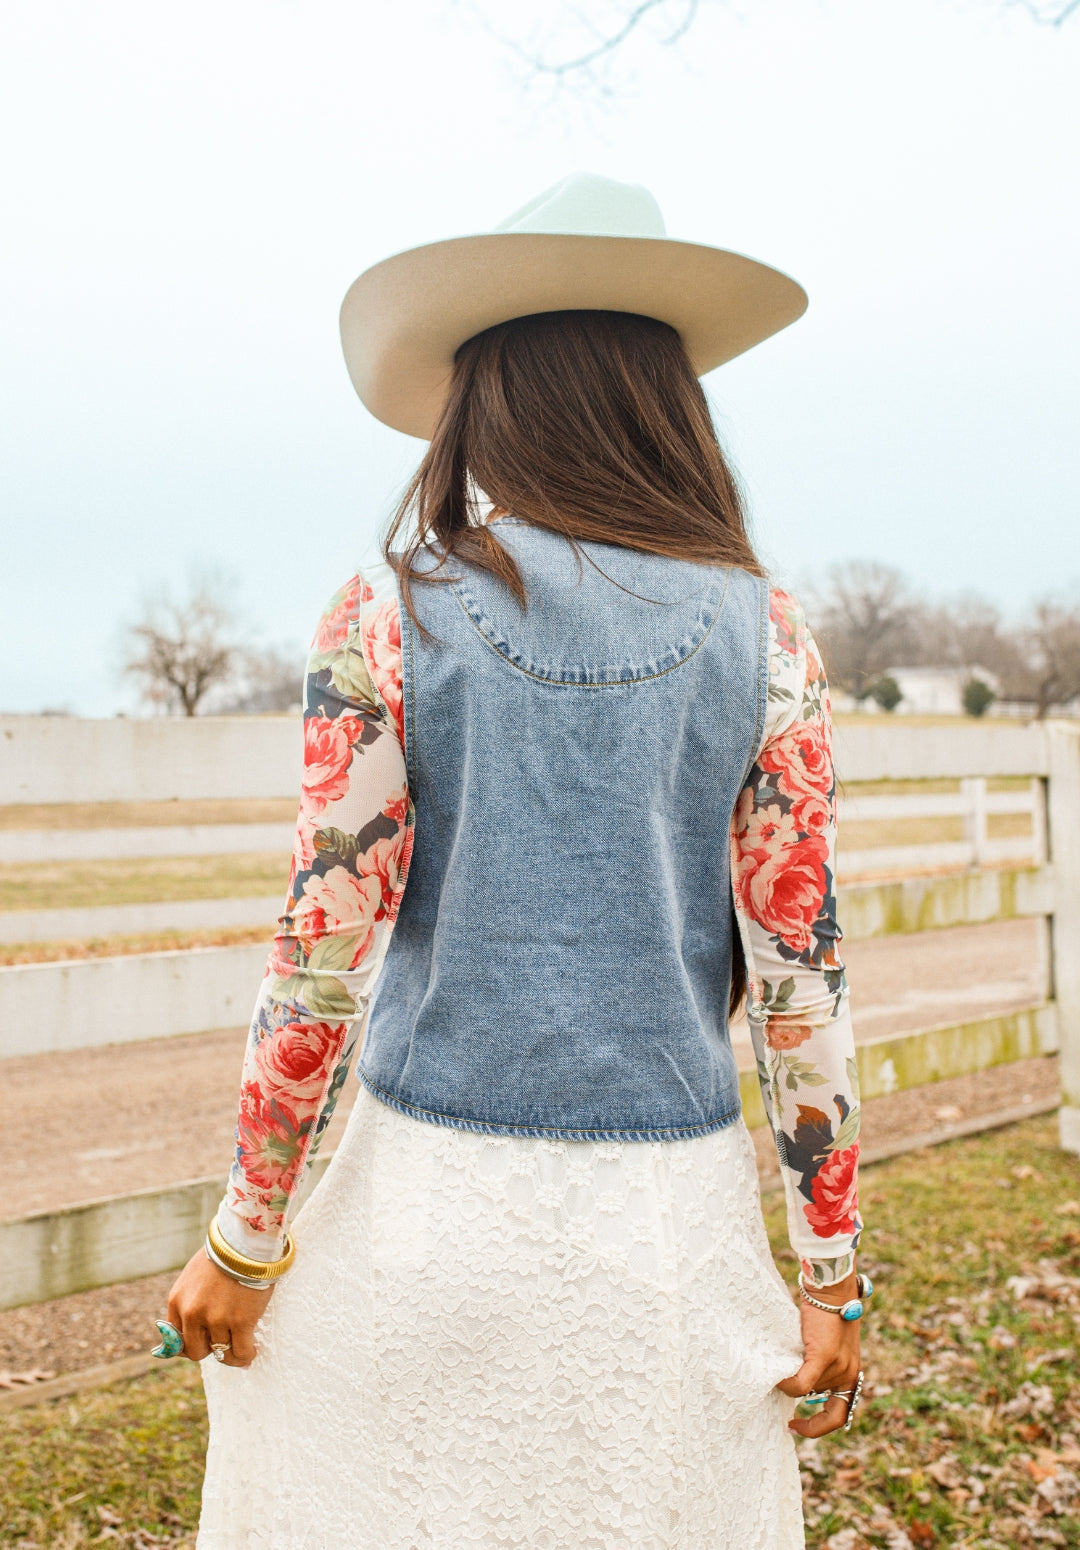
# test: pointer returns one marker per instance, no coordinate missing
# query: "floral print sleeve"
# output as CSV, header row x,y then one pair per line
x,y
783,845
350,860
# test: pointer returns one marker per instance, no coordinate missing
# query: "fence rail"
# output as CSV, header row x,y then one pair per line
x,y
974,804
205,839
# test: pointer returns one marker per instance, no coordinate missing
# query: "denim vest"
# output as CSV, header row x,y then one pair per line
x,y
561,962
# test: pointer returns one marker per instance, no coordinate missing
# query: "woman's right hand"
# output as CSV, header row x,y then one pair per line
x,y
209,1308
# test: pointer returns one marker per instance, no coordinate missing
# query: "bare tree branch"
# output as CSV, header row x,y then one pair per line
x,y
1051,643
865,623
582,64
1054,16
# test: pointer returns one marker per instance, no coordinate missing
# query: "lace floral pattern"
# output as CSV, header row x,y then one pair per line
x,y
510,1344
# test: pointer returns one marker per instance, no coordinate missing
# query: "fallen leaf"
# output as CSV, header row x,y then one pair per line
x,y
921,1534
1031,1399
946,1473
1024,1171
1039,1471
1069,1208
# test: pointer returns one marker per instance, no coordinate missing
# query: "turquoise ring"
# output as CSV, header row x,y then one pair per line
x,y
172,1341
811,1405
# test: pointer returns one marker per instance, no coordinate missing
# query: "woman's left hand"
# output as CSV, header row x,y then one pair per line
x,y
831,1359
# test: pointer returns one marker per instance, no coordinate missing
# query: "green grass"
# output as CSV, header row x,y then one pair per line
x,y
119,1466
55,885
971,1436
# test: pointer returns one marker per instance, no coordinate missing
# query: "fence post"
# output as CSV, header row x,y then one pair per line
x,y
974,792
1063,759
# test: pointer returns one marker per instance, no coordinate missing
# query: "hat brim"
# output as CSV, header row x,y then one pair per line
x,y
403,320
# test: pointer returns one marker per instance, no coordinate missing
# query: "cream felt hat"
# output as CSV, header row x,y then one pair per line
x,y
588,242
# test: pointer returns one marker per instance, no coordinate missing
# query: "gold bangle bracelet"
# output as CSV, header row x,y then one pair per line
x,y
254,1269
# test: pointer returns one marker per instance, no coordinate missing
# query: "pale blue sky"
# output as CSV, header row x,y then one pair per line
x,y
188,195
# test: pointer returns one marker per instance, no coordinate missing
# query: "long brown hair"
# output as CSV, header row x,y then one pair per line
x,y
590,424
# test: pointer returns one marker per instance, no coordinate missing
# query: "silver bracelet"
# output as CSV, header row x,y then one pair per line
x,y
849,1311
208,1250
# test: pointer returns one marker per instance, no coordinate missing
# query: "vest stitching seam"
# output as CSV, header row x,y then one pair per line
x,y
618,683
762,697
459,1120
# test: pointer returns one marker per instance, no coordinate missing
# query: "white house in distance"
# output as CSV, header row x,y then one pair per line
x,y
927,691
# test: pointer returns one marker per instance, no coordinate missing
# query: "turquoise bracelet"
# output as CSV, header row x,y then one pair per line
x,y
849,1311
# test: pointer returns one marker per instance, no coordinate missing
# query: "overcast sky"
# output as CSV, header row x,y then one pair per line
x,y
187,194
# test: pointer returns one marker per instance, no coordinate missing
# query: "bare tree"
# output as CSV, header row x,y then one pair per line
x,y
267,682
1050,674
864,622
181,649
968,632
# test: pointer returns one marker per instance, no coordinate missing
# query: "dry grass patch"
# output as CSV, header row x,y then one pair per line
x,y
56,885
124,946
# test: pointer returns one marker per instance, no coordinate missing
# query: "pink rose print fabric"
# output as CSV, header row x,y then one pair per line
x,y
350,866
350,863
783,872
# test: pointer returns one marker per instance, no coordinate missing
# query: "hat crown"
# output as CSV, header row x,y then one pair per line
x,y
587,205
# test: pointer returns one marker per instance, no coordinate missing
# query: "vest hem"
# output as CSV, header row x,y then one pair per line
x,y
550,1132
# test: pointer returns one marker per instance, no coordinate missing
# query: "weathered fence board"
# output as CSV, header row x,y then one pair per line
x,y
1064,814
90,1001
131,919
120,1238
911,904
66,759
205,839
907,1060
80,1004
892,751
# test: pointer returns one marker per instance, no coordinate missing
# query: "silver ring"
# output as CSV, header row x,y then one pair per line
x,y
856,1396
813,1403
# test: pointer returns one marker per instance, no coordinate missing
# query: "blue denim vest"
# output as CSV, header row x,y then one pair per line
x,y
561,962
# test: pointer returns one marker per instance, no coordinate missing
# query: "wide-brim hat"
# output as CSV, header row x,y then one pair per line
x,y
588,242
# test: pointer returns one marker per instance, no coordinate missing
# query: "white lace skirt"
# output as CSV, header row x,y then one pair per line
x,y
494,1343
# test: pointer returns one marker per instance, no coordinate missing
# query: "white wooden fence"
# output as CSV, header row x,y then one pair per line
x,y
981,877
973,804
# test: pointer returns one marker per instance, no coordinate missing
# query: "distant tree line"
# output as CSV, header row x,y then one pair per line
x,y
190,655
868,618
